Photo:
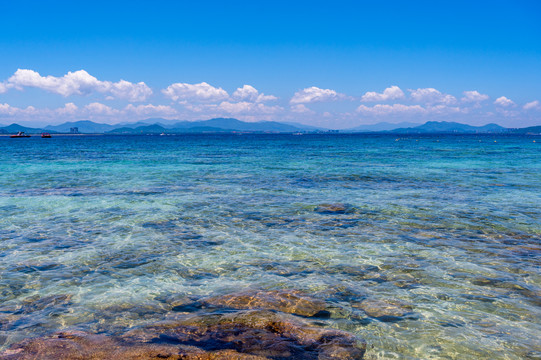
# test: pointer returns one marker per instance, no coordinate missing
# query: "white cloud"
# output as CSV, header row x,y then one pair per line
x,y
384,109
444,109
532,105
199,107
97,108
503,101
401,109
247,107
127,90
301,109
149,109
507,113
391,93
474,96
315,94
195,92
79,83
141,110
8,110
3,87
246,92
68,109
431,96
235,107
249,93
93,110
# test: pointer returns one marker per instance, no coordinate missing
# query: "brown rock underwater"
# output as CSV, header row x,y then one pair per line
x,y
258,328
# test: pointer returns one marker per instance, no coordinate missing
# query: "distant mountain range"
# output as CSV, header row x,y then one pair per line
x,y
15,128
212,125
228,125
450,127
84,126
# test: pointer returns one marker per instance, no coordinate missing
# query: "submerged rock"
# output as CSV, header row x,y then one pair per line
x,y
261,327
335,208
245,334
264,333
38,303
498,283
384,310
286,268
6,320
357,272
160,225
81,345
288,301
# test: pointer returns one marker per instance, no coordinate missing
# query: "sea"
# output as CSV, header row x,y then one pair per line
x,y
439,236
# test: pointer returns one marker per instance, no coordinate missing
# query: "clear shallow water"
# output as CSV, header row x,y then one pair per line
x,y
99,233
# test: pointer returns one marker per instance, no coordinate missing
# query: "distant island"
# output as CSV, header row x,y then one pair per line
x,y
230,125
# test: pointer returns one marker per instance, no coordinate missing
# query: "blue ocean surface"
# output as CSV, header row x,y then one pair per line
x,y
428,247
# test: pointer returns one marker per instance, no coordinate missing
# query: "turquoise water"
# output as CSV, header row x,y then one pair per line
x,y
99,233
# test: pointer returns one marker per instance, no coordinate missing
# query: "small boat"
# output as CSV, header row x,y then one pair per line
x,y
20,134
45,135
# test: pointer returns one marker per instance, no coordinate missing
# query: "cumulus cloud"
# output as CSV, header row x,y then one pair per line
x,y
8,110
532,105
384,109
68,109
431,96
504,102
474,96
249,93
315,94
246,92
195,92
79,83
100,109
127,90
391,93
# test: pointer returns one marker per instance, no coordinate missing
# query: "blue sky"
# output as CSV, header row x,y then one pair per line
x,y
321,63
